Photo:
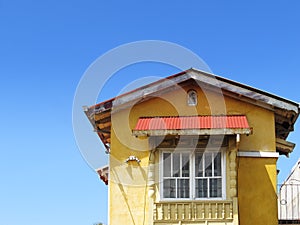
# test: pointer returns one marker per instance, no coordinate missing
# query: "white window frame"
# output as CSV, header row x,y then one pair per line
x,y
192,193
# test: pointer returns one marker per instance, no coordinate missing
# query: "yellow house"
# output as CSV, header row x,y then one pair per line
x,y
193,148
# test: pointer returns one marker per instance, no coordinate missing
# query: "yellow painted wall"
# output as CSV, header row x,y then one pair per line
x,y
128,204
209,102
127,181
257,191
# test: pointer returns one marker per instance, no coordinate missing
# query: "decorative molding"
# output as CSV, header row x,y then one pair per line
x,y
132,158
258,154
151,175
193,212
233,172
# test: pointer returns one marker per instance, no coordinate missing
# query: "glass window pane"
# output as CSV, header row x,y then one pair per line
x,y
167,164
199,164
201,188
177,174
183,188
217,164
215,187
176,165
192,98
185,164
208,164
169,188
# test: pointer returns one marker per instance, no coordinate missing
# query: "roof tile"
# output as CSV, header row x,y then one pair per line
x,y
191,122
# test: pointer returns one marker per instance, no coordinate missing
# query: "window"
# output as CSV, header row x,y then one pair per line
x,y
192,175
208,175
176,175
192,98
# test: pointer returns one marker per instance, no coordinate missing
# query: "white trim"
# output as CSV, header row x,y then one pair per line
x,y
108,193
258,154
224,174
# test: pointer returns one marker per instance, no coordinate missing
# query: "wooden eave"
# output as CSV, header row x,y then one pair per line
x,y
102,125
284,147
103,173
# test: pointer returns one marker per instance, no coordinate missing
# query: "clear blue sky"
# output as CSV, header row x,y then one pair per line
x,y
45,48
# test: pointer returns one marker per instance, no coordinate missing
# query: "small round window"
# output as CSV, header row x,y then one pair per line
x,y
192,98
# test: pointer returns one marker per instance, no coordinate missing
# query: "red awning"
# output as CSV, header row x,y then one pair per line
x,y
193,124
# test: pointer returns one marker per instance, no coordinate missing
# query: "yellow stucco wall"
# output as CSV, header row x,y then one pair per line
x,y
127,181
128,202
257,191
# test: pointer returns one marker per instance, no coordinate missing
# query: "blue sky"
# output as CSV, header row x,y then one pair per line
x,y
45,48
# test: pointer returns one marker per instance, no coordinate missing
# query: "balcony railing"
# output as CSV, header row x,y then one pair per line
x,y
289,204
193,211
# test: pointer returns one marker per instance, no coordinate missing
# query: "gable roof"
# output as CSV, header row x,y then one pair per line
x,y
286,111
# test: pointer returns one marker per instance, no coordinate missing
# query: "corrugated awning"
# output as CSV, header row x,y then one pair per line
x,y
192,125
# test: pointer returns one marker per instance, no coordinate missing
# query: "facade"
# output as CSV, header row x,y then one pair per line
x,y
289,198
193,148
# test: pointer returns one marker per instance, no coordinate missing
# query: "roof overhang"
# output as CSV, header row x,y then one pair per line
x,y
103,173
284,147
262,98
